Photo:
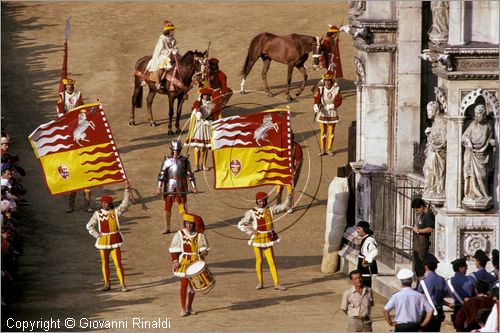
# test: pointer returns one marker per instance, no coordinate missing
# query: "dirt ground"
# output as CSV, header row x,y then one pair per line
x,y
59,275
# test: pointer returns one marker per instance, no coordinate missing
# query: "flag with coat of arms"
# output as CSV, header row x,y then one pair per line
x,y
252,150
77,151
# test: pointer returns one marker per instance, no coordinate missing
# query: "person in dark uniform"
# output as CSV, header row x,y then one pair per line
x,y
494,259
421,234
369,250
455,286
481,273
436,288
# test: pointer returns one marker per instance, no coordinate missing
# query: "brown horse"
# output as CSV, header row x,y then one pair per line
x,y
291,50
178,84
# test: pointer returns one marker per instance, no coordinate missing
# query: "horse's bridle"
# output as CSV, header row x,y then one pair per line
x,y
203,62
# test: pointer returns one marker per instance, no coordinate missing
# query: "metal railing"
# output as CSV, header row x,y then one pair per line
x,y
391,197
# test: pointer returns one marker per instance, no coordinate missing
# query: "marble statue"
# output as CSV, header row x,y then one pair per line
x,y
357,7
439,32
479,143
435,156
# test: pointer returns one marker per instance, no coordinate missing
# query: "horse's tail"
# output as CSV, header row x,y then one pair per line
x,y
254,51
140,69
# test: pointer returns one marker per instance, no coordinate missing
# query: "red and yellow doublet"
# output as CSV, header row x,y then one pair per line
x,y
186,247
109,228
263,223
329,100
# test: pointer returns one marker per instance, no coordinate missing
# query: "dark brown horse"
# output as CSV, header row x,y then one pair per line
x,y
189,66
291,50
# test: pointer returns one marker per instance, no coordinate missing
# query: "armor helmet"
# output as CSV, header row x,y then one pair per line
x,y
176,145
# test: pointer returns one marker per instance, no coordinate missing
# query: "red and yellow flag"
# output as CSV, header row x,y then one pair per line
x,y
77,151
252,150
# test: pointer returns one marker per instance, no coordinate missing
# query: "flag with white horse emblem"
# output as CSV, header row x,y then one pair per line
x,y
252,150
77,151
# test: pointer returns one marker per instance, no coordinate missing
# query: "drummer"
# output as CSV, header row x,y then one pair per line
x,y
187,246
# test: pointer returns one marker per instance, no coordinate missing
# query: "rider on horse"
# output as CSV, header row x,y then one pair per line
x,y
166,50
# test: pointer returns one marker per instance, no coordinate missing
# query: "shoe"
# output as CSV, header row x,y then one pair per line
x,y
290,211
206,168
107,286
331,153
166,231
259,286
184,313
279,286
322,153
88,210
70,210
191,312
124,288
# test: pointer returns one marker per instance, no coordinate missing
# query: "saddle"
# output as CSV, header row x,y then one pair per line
x,y
172,78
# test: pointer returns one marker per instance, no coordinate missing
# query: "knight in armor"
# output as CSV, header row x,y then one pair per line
x,y
330,52
258,223
105,227
68,100
173,180
327,99
217,80
199,128
164,54
188,245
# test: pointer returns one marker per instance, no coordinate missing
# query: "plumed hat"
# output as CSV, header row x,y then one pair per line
x,y
167,25
333,28
328,76
68,81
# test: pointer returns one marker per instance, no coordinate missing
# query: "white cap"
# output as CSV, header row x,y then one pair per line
x,y
404,273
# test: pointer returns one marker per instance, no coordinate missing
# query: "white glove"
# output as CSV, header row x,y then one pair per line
x,y
316,108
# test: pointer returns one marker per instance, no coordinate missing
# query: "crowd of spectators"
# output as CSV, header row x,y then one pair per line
x,y
13,193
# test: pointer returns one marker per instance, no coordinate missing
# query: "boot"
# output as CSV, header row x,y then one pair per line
x,y
166,218
161,73
107,286
72,199
87,195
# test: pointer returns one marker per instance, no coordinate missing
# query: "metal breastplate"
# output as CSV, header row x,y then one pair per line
x,y
175,178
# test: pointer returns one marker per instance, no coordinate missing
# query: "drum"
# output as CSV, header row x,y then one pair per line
x,y
199,276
